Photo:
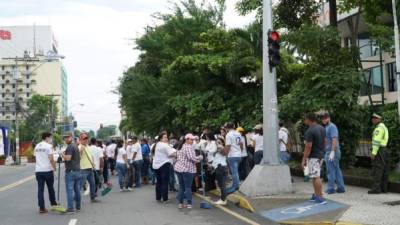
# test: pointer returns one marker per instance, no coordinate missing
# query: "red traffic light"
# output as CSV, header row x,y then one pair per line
x,y
274,36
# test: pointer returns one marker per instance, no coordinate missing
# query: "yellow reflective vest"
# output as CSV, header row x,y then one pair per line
x,y
380,138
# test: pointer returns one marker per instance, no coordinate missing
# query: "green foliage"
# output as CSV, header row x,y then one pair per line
x,y
104,133
391,119
293,14
38,118
330,82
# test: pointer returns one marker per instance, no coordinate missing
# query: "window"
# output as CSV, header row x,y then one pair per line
x,y
3,77
2,86
391,69
373,77
27,76
27,67
3,95
27,95
13,95
27,85
3,68
13,86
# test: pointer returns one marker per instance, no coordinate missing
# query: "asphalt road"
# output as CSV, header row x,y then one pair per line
x,y
18,206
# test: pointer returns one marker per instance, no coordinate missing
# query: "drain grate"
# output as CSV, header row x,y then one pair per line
x,y
392,203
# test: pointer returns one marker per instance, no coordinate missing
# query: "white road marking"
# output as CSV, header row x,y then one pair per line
x,y
72,222
8,187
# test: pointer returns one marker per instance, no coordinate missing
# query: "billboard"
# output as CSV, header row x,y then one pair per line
x,y
15,40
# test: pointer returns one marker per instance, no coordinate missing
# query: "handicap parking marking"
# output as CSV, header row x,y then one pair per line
x,y
301,210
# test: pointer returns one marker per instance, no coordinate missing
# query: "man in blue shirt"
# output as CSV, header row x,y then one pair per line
x,y
332,157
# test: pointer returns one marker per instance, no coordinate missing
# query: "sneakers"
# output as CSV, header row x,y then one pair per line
x,y
312,199
42,211
94,200
220,202
78,209
189,206
320,200
129,189
70,211
180,206
329,192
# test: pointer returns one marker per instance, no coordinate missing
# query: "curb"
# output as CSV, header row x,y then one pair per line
x,y
226,210
236,198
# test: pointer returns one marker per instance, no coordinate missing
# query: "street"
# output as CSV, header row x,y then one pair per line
x,y
19,206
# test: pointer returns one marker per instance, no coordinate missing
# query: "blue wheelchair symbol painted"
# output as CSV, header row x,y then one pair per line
x,y
298,210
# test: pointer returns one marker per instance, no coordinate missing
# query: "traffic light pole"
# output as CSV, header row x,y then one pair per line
x,y
397,51
270,177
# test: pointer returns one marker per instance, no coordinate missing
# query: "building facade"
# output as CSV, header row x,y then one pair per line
x,y
28,66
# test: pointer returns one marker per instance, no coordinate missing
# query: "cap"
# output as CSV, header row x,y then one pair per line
x,y
189,136
240,129
258,127
68,134
376,116
129,140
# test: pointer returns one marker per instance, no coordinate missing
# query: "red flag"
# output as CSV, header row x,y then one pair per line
x,y
5,35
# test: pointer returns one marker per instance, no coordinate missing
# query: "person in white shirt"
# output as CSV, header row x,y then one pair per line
x,y
234,147
221,170
44,171
110,152
283,141
244,165
130,174
137,161
97,155
122,164
162,153
258,145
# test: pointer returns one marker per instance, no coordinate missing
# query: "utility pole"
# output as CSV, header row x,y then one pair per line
x,y
397,51
270,177
17,108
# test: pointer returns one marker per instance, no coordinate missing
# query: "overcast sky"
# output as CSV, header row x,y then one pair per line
x,y
95,36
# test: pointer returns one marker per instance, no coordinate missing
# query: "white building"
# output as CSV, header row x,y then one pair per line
x,y
28,66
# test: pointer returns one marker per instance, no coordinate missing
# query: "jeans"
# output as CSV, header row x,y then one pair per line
x,y
258,156
138,174
221,173
121,169
105,170
185,187
233,163
335,176
130,175
111,164
87,174
162,175
145,166
172,180
48,179
244,168
73,185
284,156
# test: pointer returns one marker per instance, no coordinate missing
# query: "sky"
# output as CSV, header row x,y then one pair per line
x,y
96,38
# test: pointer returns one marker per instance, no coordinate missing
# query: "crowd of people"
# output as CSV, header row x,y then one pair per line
x,y
191,163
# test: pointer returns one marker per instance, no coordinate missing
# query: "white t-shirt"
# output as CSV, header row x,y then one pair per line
x,y
283,139
42,152
110,150
162,153
219,159
259,140
129,152
97,154
138,149
120,158
233,138
211,148
244,151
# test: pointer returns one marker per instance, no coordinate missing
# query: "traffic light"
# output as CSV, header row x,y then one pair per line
x,y
273,49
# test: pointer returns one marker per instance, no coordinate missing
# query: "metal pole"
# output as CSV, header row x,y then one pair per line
x,y
397,50
16,102
270,100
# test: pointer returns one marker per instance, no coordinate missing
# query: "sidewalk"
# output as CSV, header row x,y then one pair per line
x,y
364,208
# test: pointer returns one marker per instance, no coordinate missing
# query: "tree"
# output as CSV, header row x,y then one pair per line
x,y
38,117
105,132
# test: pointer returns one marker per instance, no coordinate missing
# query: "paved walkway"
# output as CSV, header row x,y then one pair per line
x,y
364,208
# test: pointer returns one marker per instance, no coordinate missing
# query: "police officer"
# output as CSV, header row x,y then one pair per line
x,y
379,156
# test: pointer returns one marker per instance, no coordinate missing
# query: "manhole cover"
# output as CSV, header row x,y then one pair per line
x,y
393,203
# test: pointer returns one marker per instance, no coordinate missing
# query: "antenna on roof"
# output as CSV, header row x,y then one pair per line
x,y
34,40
